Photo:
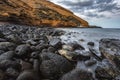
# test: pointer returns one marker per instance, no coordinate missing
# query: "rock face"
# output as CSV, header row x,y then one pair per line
x,y
38,12
110,49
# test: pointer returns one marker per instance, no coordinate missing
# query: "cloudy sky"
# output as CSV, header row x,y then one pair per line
x,y
104,13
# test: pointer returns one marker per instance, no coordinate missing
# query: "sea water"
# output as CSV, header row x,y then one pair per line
x,y
85,35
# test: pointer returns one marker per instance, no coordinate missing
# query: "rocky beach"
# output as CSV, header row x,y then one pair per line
x,y
33,53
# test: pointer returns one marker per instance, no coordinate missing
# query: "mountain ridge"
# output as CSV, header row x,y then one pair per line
x,y
38,12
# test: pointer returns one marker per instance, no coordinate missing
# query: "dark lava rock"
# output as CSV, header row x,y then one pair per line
x,y
22,50
28,75
62,64
55,42
1,35
90,62
110,49
1,52
25,65
12,72
90,43
3,40
7,46
14,38
49,69
2,75
82,55
7,55
106,71
9,63
73,46
40,47
35,55
77,74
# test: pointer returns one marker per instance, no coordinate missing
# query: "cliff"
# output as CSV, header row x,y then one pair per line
x,y
38,12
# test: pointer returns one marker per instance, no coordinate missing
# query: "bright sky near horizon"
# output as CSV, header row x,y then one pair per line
x,y
104,13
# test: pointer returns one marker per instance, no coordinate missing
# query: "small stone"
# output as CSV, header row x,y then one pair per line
x,y
55,42
35,55
22,50
90,43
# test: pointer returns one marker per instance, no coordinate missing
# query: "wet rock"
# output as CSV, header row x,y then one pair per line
x,y
12,72
62,64
68,54
110,49
73,46
90,62
3,40
77,74
55,42
26,65
106,71
82,55
22,50
28,75
94,53
67,47
7,46
7,55
91,44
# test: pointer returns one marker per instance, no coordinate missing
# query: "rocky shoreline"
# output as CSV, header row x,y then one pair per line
x,y
33,53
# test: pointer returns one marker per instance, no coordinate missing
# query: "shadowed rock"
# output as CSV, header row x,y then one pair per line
x,y
110,49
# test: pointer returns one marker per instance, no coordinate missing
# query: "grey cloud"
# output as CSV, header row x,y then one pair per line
x,y
99,5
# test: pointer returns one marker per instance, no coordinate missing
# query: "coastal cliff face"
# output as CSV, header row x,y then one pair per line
x,y
38,12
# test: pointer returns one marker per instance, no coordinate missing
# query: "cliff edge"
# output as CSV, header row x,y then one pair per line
x,y
38,12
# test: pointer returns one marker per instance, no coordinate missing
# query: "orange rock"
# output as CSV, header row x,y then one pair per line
x,y
38,12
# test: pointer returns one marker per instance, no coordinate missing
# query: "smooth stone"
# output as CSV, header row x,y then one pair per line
x,y
7,55
59,62
78,74
7,46
49,69
91,43
25,65
28,75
